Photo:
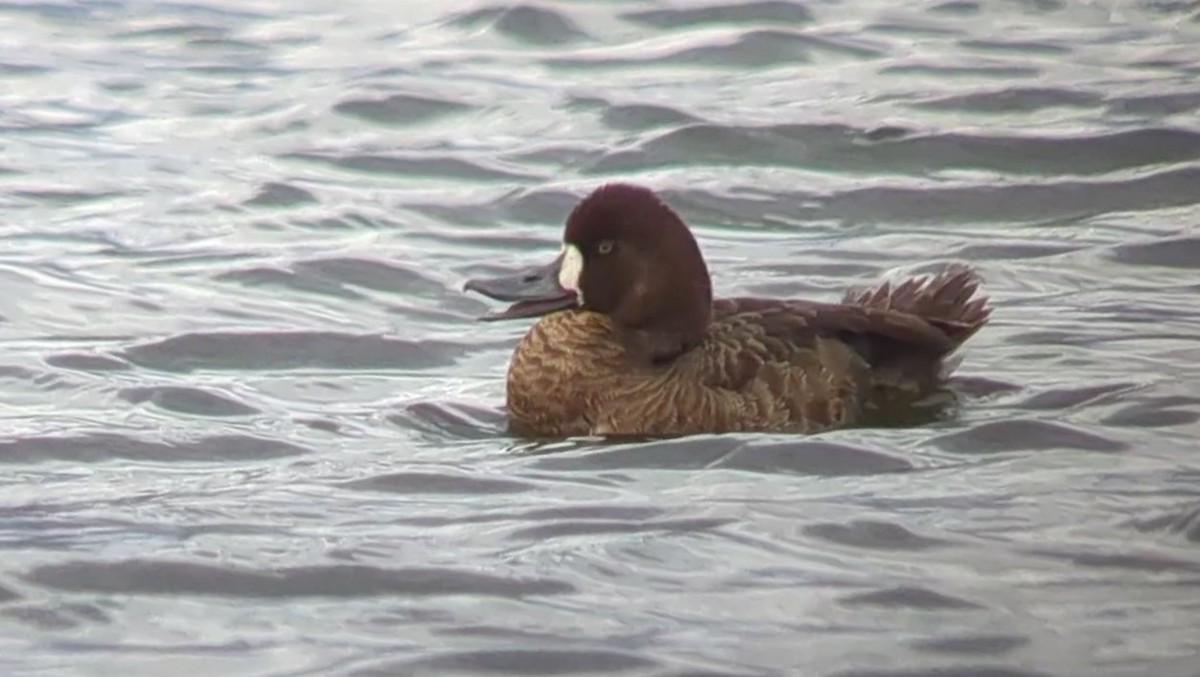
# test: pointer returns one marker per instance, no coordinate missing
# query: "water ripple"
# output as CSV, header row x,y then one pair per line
x,y
148,577
100,447
724,14
188,400
291,350
400,109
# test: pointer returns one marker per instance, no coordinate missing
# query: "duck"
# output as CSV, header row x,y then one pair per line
x,y
630,341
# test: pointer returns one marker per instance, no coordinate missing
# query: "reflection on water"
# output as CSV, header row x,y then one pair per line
x,y
251,425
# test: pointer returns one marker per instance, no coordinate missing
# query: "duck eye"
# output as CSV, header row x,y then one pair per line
x,y
605,247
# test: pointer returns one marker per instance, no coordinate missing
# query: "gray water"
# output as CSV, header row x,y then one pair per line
x,y
251,426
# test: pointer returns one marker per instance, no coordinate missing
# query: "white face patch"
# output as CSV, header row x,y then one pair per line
x,y
570,270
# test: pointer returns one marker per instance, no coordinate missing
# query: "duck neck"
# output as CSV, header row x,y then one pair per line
x,y
669,335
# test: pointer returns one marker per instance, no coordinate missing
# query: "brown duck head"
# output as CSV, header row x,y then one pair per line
x,y
627,255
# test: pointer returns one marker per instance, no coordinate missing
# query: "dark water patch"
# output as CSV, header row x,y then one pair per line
x,y
1155,105
556,155
956,8
256,351
972,645
910,28
22,70
979,387
887,133
323,424
451,419
1025,435
1142,563
1073,396
63,197
1032,202
233,73
845,46
950,671
168,577
969,72
1184,522
694,453
643,117
1014,100
527,206
444,482
1010,250
537,25
531,24
1155,312
58,617
86,362
724,14
586,529
387,276
7,595
520,662
100,447
755,49
748,209
52,12
601,513
340,276
634,117
539,205
709,144
874,535
1016,47
1175,252
844,148
768,47
1155,413
825,459
908,598
280,195
1050,337
40,379
423,165
345,221
400,109
275,277
191,31
1180,9
453,311
40,617
225,45
188,400
1041,6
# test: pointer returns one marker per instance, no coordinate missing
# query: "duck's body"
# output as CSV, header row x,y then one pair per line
x,y
764,365
639,347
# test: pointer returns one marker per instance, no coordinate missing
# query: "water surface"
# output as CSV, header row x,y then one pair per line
x,y
251,427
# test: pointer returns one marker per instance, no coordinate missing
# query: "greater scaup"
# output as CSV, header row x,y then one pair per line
x,y
631,341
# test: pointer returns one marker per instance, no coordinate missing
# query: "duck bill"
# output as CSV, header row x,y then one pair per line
x,y
534,291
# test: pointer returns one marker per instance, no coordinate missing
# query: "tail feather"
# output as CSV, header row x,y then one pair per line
x,y
946,300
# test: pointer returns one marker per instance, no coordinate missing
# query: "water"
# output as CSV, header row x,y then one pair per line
x,y
251,427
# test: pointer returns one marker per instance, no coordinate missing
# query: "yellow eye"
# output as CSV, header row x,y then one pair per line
x,y
605,247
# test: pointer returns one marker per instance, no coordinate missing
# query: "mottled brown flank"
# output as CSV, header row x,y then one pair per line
x,y
762,364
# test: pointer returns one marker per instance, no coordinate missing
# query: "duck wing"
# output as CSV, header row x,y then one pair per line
x,y
900,332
